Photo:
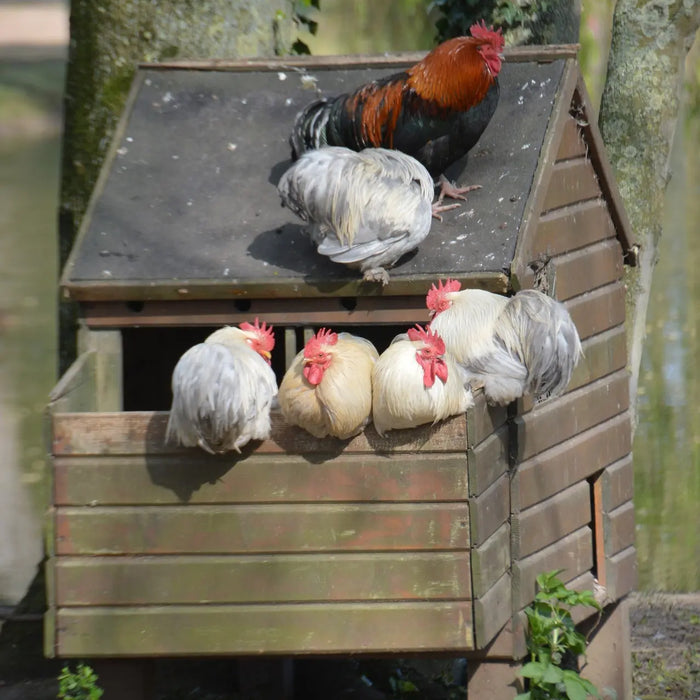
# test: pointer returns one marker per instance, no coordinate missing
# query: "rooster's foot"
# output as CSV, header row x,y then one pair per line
x,y
438,207
447,189
376,274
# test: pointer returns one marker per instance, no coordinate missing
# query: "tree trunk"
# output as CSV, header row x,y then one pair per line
x,y
638,118
108,38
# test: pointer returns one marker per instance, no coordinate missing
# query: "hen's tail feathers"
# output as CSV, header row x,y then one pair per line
x,y
309,130
549,343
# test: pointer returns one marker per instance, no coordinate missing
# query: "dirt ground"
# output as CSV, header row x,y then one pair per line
x,y
665,664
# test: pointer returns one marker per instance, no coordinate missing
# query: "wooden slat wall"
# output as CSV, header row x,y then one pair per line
x,y
281,541
571,489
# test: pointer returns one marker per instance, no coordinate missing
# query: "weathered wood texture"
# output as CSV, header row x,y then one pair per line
x,y
294,533
188,630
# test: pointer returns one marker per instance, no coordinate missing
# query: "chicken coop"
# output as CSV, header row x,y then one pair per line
x,y
426,541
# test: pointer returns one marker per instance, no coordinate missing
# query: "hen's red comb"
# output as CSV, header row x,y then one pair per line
x,y
436,293
427,336
488,34
265,333
325,336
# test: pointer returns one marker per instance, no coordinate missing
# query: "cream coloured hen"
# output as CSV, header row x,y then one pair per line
x,y
416,382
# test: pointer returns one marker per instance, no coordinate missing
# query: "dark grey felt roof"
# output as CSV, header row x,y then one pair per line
x,y
190,194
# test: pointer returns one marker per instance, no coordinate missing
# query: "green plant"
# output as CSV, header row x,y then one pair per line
x,y
80,684
552,640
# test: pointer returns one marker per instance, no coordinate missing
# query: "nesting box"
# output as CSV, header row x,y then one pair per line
x,y
428,540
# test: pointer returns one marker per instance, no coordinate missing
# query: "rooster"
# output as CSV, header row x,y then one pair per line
x,y
223,390
435,111
415,382
366,209
327,390
509,345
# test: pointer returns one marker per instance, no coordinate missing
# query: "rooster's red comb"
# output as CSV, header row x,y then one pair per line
x,y
265,333
488,34
427,336
436,293
325,336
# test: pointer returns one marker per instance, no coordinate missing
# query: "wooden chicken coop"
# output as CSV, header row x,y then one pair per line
x,y
426,541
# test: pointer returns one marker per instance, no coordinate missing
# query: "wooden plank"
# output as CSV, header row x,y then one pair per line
x,y
546,522
142,289
492,611
599,157
553,422
490,510
572,181
596,311
618,526
573,554
598,529
573,227
490,560
355,310
488,460
581,270
621,570
603,354
511,54
483,420
171,479
617,484
525,252
143,432
572,144
171,580
552,471
261,528
76,389
276,629
107,346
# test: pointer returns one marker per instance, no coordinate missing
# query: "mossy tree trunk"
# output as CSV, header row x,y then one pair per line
x,y
107,39
638,118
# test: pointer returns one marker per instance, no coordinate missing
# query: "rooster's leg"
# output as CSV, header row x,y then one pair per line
x,y
439,207
447,189
376,274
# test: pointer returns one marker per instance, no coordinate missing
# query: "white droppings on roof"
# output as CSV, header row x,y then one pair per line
x,y
232,146
500,199
226,271
282,76
524,147
168,97
244,100
175,157
521,100
106,273
308,82
129,139
122,151
461,237
288,101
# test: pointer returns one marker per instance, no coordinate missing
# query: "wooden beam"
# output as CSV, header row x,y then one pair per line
x,y
278,629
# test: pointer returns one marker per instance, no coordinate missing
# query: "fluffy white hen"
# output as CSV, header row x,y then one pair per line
x,y
524,344
365,209
416,382
223,390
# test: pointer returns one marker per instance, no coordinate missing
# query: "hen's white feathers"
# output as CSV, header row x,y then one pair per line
x,y
365,209
222,394
511,346
399,397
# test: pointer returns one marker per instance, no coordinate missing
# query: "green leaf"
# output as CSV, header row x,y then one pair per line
x,y
523,696
533,669
552,674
